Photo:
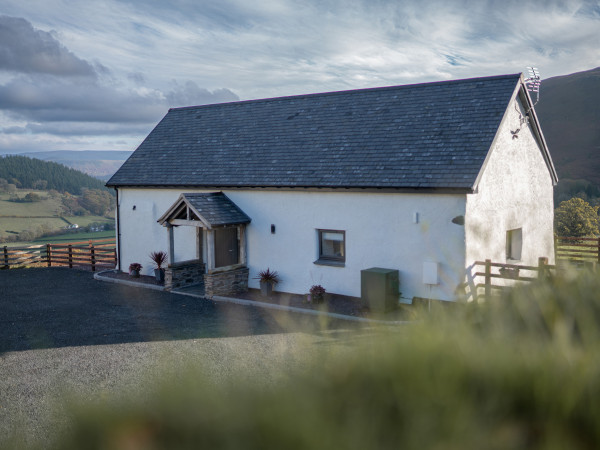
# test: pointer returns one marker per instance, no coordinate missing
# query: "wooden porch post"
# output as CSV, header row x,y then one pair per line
x,y
210,250
243,244
171,244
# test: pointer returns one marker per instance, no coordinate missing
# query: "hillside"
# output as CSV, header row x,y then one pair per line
x,y
101,164
569,113
30,173
51,213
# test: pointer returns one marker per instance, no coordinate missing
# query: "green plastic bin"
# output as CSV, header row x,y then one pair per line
x,y
379,288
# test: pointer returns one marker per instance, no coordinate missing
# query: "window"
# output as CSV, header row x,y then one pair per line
x,y
332,247
514,244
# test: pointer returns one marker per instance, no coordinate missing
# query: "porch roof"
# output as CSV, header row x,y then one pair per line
x,y
207,210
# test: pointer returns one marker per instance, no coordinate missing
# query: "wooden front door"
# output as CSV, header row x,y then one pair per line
x,y
227,247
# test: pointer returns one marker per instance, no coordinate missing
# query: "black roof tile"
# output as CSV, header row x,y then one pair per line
x,y
432,135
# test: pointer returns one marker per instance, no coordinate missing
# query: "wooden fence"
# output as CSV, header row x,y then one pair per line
x,y
99,254
487,273
577,249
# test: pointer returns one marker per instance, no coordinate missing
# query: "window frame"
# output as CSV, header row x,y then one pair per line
x,y
331,260
511,235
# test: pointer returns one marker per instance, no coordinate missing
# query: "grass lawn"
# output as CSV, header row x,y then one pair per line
x,y
46,207
65,238
84,221
572,250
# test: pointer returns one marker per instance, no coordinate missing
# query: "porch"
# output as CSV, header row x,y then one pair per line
x,y
220,264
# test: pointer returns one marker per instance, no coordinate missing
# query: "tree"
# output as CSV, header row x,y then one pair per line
x,y
96,201
576,218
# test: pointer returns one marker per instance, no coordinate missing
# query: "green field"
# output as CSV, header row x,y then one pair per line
x,y
84,221
18,217
47,207
65,238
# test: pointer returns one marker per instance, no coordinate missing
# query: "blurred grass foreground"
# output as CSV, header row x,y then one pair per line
x,y
518,372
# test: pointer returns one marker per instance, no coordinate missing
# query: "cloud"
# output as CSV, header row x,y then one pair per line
x,y
49,99
261,49
190,94
28,50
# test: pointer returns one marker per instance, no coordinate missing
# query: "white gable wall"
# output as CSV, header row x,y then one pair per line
x,y
380,232
515,191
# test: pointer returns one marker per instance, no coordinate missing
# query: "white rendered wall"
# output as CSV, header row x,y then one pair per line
x,y
380,232
515,191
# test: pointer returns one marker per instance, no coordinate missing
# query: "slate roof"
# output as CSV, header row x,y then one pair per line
x,y
215,209
431,135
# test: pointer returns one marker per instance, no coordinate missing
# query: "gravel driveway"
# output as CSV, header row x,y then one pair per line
x,y
62,333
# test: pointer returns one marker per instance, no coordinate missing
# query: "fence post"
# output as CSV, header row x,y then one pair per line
x,y
488,279
542,263
49,255
115,257
70,256
6,258
93,257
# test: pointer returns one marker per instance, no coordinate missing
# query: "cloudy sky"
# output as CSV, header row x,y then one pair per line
x,y
83,75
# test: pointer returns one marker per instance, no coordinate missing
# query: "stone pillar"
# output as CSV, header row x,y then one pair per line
x,y
227,282
185,273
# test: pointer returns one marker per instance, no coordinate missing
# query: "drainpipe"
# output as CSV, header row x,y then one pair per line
x,y
118,231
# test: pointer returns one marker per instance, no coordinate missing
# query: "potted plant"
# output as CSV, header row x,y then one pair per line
x,y
134,270
159,259
268,278
317,294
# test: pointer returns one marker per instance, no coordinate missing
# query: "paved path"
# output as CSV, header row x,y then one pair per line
x,y
50,308
63,333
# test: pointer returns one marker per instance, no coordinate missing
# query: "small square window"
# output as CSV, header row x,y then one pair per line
x,y
514,244
332,247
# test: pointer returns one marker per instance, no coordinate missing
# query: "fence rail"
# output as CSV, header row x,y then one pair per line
x,y
577,249
511,272
100,254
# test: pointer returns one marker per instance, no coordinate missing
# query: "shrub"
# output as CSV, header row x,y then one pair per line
x,y
268,276
520,372
159,258
317,293
134,267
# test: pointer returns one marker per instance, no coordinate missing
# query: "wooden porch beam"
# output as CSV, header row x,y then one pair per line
x,y
191,223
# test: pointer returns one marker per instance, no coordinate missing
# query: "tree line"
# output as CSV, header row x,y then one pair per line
x,y
30,173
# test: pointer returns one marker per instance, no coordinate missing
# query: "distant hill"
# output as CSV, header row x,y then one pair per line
x,y
101,164
569,113
33,173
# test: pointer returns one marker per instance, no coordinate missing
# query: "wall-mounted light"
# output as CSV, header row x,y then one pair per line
x,y
134,207
272,228
415,217
459,220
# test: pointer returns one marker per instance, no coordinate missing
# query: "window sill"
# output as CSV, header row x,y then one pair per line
x,y
328,262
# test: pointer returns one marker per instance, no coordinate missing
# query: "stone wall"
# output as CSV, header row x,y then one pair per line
x,y
226,283
183,274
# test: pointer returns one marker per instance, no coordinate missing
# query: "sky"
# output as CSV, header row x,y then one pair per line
x,y
99,75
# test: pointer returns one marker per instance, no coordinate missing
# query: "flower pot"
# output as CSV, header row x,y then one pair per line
x,y
134,273
266,289
159,274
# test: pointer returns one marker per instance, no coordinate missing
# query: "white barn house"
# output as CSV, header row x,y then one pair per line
x,y
425,179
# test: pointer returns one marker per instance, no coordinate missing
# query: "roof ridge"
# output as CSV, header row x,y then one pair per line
x,y
332,93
